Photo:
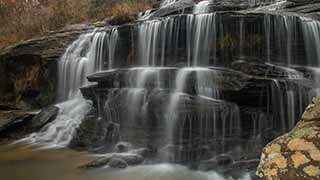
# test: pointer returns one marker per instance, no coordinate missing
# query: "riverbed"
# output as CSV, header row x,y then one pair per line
x,y
23,162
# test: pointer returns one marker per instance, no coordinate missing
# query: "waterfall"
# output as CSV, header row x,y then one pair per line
x,y
207,39
112,42
172,111
205,87
185,81
267,30
154,35
83,57
73,66
311,31
201,33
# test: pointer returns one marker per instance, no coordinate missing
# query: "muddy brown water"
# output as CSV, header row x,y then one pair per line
x,y
21,162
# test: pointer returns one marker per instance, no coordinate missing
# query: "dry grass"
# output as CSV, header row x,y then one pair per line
x,y
128,7
20,21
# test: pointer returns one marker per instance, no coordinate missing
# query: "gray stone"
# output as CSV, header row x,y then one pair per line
x,y
117,163
122,147
129,159
46,116
16,124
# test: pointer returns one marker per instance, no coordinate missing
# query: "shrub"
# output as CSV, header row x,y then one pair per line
x,y
21,19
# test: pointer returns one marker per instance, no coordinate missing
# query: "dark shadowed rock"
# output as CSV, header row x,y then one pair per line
x,y
117,163
122,147
10,118
46,116
16,124
129,159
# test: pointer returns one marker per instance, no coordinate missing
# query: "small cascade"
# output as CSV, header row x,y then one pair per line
x,y
149,40
154,35
112,41
201,30
286,104
209,39
212,125
267,31
83,57
142,82
311,29
60,132
72,67
174,101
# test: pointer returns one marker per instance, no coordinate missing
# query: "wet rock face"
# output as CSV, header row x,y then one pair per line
x,y
295,155
29,70
17,124
28,81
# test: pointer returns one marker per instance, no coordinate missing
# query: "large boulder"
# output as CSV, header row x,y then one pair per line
x,y
295,155
115,160
117,163
17,124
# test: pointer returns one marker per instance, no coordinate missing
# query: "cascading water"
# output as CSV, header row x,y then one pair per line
x,y
83,57
112,41
311,29
186,85
199,38
195,86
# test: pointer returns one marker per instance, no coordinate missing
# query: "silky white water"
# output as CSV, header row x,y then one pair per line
x,y
83,57
59,133
201,34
